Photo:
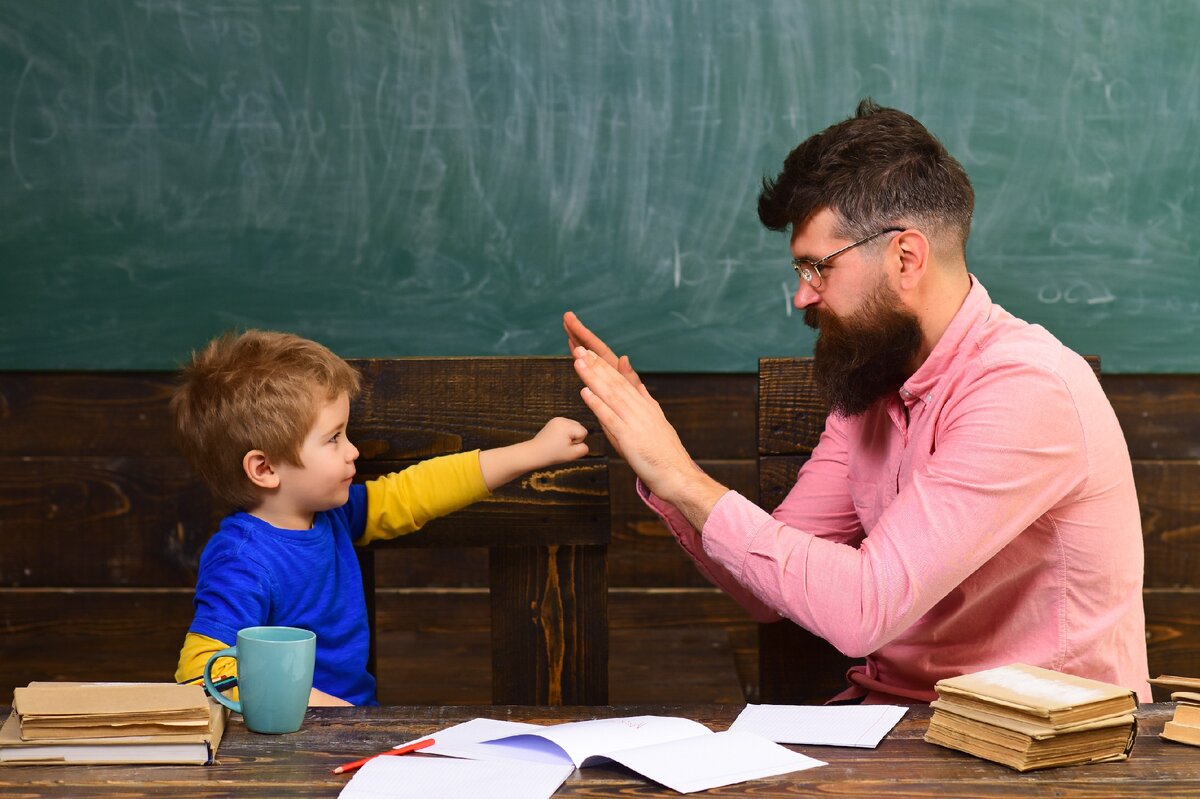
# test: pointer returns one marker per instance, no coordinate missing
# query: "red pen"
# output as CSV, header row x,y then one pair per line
x,y
400,750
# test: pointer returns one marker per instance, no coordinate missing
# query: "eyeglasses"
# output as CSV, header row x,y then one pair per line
x,y
810,271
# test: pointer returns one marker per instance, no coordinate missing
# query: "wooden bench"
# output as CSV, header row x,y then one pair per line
x,y
102,522
794,665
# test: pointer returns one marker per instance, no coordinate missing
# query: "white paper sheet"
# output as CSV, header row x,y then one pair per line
x,y
472,732
416,777
585,743
820,725
709,761
578,743
679,753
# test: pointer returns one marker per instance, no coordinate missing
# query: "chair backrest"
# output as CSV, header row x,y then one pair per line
x,y
794,666
546,533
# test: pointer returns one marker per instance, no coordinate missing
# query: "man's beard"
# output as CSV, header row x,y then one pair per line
x,y
866,356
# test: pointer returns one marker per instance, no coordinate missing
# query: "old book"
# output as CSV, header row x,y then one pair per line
x,y
1187,713
55,711
1171,681
1181,733
1036,695
195,748
1024,745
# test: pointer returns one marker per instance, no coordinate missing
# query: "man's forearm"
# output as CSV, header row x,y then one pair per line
x,y
694,494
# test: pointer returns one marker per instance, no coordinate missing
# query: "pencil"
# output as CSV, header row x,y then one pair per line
x,y
399,750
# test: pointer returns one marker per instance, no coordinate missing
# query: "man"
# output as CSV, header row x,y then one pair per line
x,y
970,502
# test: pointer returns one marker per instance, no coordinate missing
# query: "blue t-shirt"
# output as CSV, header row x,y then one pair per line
x,y
252,573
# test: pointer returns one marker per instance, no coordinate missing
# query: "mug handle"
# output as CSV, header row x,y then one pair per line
x,y
230,652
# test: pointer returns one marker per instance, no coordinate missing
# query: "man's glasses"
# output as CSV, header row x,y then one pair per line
x,y
810,271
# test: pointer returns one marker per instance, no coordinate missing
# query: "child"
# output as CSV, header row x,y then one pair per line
x,y
262,417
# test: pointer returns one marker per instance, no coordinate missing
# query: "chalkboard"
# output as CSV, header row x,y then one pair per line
x,y
445,177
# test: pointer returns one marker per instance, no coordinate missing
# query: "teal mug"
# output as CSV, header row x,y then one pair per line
x,y
275,676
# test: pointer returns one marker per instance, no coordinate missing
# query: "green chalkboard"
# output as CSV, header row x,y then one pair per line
x,y
445,177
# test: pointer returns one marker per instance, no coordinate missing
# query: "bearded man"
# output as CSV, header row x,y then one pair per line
x,y
971,500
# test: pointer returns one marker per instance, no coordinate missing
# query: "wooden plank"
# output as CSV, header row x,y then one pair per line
x,y
93,522
74,414
677,645
796,667
434,646
410,408
776,476
1173,631
1169,496
414,408
713,413
101,521
90,634
565,504
791,413
1157,413
549,626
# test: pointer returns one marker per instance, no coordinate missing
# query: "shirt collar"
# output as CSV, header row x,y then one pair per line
x,y
922,386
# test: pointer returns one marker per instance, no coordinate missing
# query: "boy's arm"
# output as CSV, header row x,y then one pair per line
x,y
405,501
561,440
197,649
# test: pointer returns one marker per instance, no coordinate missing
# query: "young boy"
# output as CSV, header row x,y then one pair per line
x,y
262,416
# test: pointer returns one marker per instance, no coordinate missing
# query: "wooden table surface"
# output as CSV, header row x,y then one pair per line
x,y
298,765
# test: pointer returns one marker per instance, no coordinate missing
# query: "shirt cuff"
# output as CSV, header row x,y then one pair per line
x,y
676,522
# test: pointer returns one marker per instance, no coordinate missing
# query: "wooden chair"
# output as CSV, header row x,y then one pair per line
x,y
546,534
794,666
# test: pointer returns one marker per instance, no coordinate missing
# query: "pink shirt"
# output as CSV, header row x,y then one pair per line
x,y
985,515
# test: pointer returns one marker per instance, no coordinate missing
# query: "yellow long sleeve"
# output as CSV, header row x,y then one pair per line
x,y
405,501
197,649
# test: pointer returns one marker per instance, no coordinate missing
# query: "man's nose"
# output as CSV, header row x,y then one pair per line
x,y
806,295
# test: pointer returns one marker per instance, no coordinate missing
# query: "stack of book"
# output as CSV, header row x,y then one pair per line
x,y
111,723
1184,726
1028,718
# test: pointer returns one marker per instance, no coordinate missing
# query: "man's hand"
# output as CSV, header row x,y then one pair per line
x,y
637,428
578,335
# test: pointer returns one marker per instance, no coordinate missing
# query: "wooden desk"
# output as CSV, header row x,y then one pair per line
x,y
903,765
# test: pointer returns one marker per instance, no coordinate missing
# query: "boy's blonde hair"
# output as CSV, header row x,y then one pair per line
x,y
253,390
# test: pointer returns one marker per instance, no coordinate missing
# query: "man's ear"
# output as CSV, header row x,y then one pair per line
x,y
258,468
914,257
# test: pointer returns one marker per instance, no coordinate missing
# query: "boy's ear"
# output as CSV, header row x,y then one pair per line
x,y
258,468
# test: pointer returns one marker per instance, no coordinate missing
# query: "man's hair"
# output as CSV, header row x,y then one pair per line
x,y
253,390
873,170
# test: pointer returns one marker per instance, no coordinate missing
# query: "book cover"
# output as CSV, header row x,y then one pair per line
x,y
1036,694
